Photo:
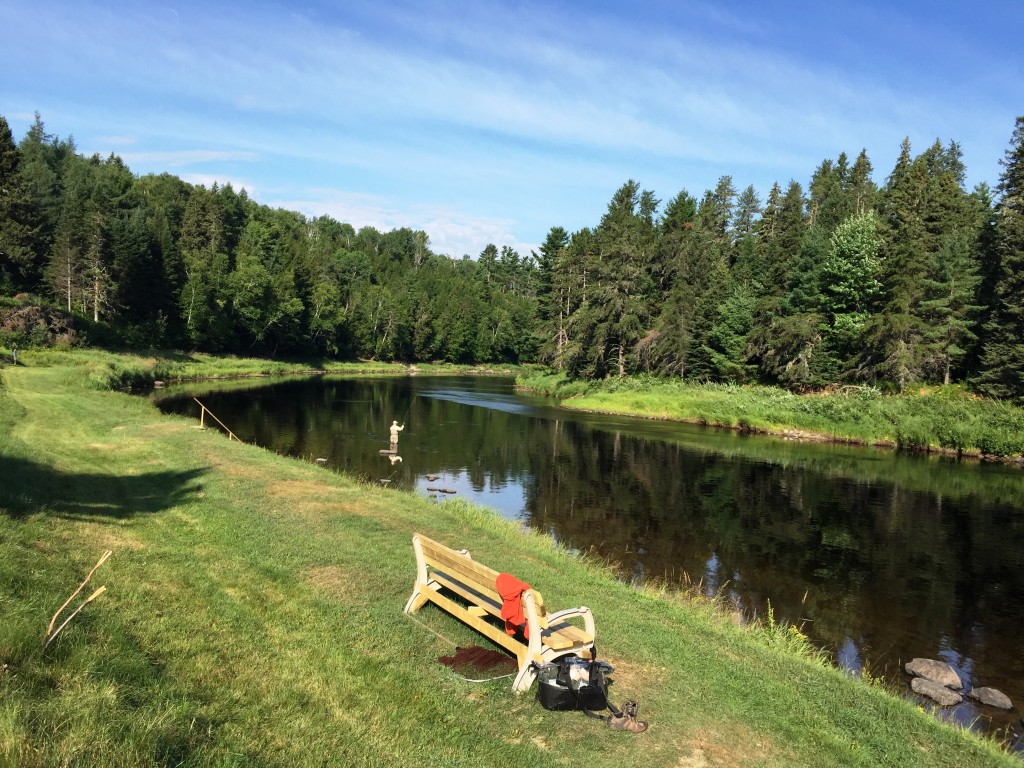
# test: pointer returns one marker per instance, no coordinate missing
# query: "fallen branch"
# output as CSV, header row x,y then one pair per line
x,y
67,602
67,621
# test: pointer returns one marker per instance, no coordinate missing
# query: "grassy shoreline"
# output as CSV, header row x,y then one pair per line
x,y
946,420
253,616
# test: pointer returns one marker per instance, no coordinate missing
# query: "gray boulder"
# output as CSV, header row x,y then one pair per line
x,y
937,671
940,694
992,697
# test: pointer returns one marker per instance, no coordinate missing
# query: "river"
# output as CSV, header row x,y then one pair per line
x,y
878,557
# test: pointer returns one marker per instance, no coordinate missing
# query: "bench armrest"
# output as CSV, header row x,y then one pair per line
x,y
583,611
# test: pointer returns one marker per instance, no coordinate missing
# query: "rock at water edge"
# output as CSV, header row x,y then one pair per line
x,y
991,696
937,671
940,694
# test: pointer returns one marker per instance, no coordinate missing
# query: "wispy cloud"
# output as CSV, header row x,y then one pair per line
x,y
184,157
494,121
451,231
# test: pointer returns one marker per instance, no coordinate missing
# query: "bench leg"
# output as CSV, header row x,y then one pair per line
x,y
416,601
525,678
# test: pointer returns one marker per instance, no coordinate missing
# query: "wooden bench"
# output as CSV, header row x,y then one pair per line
x,y
452,580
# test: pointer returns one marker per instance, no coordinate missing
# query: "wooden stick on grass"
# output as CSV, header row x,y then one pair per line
x,y
67,621
53,621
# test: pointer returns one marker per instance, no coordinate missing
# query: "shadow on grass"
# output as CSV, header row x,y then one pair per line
x,y
27,488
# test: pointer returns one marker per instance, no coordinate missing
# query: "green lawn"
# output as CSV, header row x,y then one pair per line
x,y
253,617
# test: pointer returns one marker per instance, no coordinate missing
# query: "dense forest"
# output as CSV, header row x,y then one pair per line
x,y
915,281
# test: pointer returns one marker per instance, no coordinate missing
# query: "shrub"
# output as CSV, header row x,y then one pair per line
x,y
912,434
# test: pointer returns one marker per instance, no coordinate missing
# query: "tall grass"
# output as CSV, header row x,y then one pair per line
x,y
931,419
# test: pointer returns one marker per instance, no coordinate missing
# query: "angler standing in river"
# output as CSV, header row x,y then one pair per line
x,y
395,429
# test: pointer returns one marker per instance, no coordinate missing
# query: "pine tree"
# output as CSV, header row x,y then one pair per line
x,y
205,299
849,287
44,162
748,209
1003,357
708,260
19,222
949,307
666,347
620,296
897,332
860,189
927,218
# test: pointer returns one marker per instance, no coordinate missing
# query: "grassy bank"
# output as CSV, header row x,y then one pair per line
x,y
109,370
938,419
253,616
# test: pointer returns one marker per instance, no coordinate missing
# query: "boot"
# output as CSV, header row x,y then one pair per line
x,y
625,720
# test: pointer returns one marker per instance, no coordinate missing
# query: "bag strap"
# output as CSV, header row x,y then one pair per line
x,y
616,712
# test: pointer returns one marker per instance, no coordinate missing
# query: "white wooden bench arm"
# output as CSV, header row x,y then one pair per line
x,y
583,611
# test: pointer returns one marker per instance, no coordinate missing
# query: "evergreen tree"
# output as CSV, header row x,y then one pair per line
x,y
67,270
850,287
205,299
19,223
782,340
748,210
727,341
927,216
829,204
666,348
621,293
708,267
1003,356
987,259
860,188
44,159
550,303
163,199
264,302
949,307
896,334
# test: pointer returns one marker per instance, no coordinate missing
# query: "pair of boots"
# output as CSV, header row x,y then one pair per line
x,y
625,719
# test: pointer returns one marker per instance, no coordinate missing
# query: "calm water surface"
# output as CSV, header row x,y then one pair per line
x,y
879,557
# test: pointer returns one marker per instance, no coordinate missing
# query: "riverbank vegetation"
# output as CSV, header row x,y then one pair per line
x,y
253,615
131,372
916,280
948,419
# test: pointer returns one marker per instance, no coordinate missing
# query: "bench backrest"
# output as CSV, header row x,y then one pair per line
x,y
459,565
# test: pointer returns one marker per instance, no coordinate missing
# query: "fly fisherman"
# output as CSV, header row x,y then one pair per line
x,y
395,429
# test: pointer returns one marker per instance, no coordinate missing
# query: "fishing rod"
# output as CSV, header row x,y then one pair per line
x,y
410,407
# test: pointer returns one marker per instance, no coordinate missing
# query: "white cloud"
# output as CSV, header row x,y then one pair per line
x,y
221,180
452,232
182,157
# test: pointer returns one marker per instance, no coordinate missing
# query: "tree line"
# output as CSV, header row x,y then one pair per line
x,y
153,261
915,281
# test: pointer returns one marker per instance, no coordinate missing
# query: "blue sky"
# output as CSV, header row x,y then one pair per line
x,y
488,122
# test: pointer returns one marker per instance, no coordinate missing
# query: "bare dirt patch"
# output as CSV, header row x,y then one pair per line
x,y
739,747
114,538
631,680
336,582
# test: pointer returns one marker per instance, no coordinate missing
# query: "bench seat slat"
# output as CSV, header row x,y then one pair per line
x,y
471,593
559,637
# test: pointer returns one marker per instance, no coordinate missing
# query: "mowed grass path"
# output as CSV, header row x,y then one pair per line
x,y
253,617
